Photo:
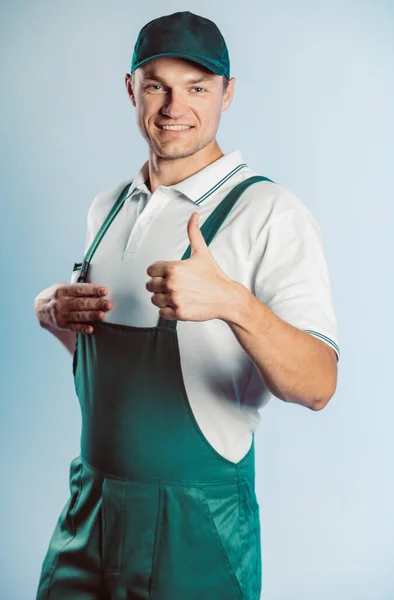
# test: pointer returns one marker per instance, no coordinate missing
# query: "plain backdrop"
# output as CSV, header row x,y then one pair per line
x,y
313,111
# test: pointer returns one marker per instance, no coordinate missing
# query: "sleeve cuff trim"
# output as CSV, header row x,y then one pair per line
x,y
326,339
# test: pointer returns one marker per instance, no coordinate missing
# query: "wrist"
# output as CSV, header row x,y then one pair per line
x,y
235,303
42,314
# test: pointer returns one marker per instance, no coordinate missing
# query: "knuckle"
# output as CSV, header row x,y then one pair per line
x,y
55,309
80,303
59,291
80,289
178,314
171,270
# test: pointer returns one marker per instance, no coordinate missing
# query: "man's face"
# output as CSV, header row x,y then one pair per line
x,y
175,91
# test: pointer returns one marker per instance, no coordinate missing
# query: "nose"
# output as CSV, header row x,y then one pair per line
x,y
175,105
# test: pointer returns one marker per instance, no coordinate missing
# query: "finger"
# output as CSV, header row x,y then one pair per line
x,y
85,316
162,299
160,268
88,304
157,285
80,328
81,289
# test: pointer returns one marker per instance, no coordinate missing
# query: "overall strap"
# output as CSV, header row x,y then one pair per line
x,y
212,225
93,246
209,229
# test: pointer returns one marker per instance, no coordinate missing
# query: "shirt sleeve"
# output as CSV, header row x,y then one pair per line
x,y
291,275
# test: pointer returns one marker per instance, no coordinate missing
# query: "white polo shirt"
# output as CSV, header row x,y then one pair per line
x,y
269,242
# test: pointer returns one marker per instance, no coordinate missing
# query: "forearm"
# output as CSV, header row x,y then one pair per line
x,y
65,336
295,366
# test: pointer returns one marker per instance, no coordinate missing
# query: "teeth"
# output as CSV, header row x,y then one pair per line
x,y
175,127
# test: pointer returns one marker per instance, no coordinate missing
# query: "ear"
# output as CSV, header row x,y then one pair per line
x,y
228,94
129,88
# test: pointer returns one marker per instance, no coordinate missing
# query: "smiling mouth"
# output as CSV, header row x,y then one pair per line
x,y
174,128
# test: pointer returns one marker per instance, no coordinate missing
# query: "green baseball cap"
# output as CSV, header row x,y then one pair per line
x,y
183,35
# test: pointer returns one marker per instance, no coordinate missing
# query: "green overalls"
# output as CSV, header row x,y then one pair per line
x,y
155,512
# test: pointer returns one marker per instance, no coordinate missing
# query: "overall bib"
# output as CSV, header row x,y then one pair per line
x,y
155,512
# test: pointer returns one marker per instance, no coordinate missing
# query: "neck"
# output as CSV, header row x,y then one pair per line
x,y
164,171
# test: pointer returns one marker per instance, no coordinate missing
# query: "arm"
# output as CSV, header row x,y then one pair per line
x,y
65,309
294,365
45,309
67,338
290,293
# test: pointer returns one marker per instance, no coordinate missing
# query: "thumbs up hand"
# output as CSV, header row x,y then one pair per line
x,y
194,289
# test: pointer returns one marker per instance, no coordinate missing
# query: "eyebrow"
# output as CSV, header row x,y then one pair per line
x,y
151,75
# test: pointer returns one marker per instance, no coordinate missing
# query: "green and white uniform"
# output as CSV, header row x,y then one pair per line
x,y
157,510
270,243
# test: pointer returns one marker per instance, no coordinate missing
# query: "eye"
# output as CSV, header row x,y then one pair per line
x,y
152,85
199,88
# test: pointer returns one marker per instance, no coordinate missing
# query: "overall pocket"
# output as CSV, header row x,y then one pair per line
x,y
64,530
75,357
251,542
75,484
190,559
113,508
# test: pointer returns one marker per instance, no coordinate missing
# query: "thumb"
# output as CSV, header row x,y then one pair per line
x,y
196,238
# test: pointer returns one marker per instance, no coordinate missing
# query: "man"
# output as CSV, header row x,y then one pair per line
x,y
219,296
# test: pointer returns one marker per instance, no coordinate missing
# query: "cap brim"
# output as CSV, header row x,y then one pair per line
x,y
205,63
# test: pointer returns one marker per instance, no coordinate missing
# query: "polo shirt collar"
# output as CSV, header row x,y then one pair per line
x,y
139,180
201,185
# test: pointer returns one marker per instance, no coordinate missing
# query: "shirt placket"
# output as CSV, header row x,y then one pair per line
x,y
154,205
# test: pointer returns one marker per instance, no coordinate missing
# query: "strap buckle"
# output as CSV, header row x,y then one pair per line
x,y
84,272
